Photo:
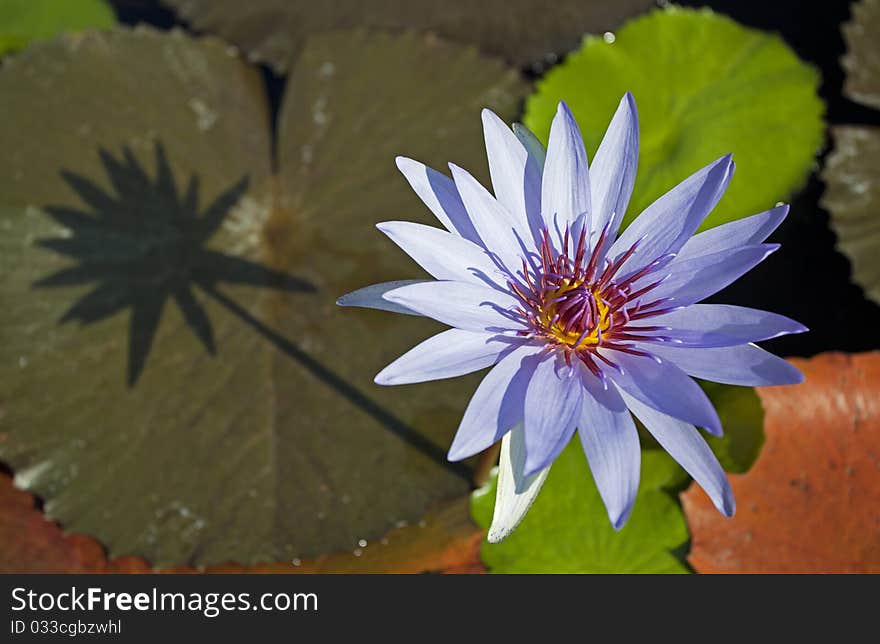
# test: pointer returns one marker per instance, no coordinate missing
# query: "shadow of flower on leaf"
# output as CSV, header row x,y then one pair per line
x,y
145,245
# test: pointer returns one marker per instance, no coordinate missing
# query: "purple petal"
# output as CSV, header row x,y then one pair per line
x,y
746,365
695,279
516,177
493,223
685,445
372,297
444,255
552,409
446,355
440,195
613,172
668,223
497,404
537,156
459,304
723,325
742,232
662,385
565,187
532,145
515,492
611,443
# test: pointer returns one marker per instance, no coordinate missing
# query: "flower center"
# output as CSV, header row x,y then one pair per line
x,y
574,314
574,300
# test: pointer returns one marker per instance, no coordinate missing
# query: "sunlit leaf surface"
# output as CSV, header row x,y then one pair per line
x,y
522,31
23,21
705,86
176,378
567,529
742,418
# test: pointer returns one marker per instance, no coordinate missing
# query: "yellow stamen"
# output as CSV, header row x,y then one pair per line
x,y
574,334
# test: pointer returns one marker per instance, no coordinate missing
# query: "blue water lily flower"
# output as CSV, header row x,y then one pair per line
x,y
583,328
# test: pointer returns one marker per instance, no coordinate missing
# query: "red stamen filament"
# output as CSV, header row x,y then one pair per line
x,y
568,306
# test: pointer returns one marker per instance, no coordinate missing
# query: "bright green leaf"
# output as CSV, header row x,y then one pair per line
x,y
23,21
742,418
704,86
567,529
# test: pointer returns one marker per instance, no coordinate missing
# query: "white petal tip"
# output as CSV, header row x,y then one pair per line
x,y
457,453
384,226
502,527
347,299
496,536
769,249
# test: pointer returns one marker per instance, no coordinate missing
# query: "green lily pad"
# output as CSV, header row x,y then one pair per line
x,y
567,529
705,86
24,21
175,376
862,59
742,418
521,31
852,196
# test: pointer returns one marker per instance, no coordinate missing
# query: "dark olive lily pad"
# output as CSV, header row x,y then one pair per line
x,y
175,377
862,59
522,31
852,196
852,170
